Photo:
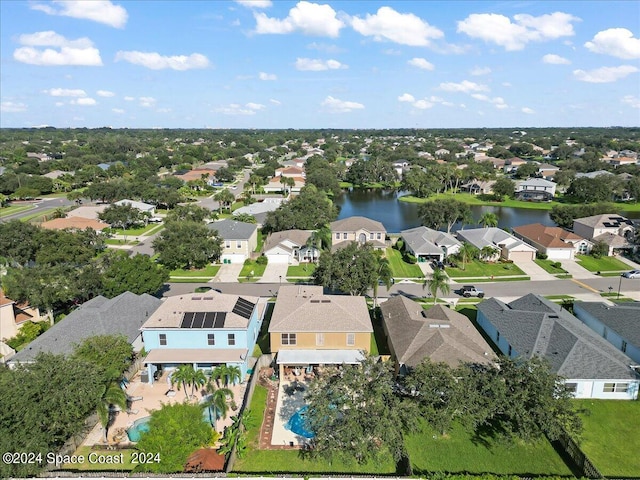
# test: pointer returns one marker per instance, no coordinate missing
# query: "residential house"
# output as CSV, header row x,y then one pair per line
x,y
478,187
608,228
208,174
357,229
239,239
535,189
259,210
546,170
290,246
13,315
498,163
621,161
512,164
275,185
618,324
438,333
592,175
55,174
90,212
309,329
441,152
400,167
555,242
202,329
428,244
534,326
74,223
291,172
143,207
507,246
121,315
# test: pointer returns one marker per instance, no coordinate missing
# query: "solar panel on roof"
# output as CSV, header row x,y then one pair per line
x,y
243,308
219,320
187,319
208,320
198,320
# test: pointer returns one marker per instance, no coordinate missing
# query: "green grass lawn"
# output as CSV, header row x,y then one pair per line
x,y
114,241
460,451
379,345
125,466
37,217
602,264
302,270
547,265
260,242
209,271
477,268
273,462
12,209
252,269
610,438
400,268
144,230
263,343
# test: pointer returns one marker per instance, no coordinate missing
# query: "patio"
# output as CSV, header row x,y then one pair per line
x,y
289,400
150,397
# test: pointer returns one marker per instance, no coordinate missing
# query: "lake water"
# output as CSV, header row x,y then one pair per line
x,y
383,205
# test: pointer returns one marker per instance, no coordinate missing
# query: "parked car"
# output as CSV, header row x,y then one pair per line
x,y
437,264
155,220
470,291
632,274
233,187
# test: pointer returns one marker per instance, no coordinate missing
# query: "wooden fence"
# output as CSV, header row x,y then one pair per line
x,y
584,466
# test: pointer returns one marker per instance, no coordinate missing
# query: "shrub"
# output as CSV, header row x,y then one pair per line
x,y
409,258
248,261
541,256
28,332
399,245
262,260
556,265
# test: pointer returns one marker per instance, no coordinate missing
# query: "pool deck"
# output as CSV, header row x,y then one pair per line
x,y
153,397
288,402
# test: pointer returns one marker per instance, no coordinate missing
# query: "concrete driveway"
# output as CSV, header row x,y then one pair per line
x,y
576,270
535,271
275,273
228,273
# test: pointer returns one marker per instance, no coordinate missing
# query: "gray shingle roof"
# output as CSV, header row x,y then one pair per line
x,y
122,315
233,230
439,333
534,325
623,319
351,224
612,220
427,241
299,237
491,236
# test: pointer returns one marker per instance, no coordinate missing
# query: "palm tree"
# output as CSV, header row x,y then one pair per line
x,y
184,375
384,275
232,375
218,374
224,198
489,219
438,280
488,251
113,395
198,380
217,402
466,252
321,238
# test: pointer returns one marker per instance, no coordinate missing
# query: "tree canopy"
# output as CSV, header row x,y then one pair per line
x,y
446,212
308,211
138,274
187,244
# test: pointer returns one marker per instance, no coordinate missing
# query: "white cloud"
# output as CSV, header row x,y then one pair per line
x,y
59,104
317,65
465,86
631,100
12,107
255,3
506,84
129,99
101,11
406,97
237,109
267,76
275,102
105,93
85,102
66,92
335,105
618,42
61,52
306,17
155,61
402,28
423,104
478,71
119,111
498,29
147,101
421,63
497,102
528,111
554,59
604,74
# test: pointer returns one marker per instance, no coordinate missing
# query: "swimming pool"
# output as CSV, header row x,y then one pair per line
x,y
298,424
139,426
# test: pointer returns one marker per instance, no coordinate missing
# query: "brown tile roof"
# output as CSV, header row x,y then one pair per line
x,y
549,237
196,174
77,223
3,299
439,333
304,308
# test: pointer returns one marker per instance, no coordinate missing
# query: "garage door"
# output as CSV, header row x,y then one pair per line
x,y
560,254
233,258
278,258
522,256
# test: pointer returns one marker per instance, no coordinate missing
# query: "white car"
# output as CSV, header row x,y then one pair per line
x,y
234,187
632,274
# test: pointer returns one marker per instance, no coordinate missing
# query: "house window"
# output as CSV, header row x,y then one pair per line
x,y
319,339
227,244
163,338
231,339
371,236
571,387
344,236
238,244
288,339
351,339
624,346
615,387
337,236
379,236
211,339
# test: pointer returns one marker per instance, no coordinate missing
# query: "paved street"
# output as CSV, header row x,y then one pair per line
x,y
38,206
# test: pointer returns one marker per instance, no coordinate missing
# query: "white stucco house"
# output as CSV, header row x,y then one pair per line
x,y
507,246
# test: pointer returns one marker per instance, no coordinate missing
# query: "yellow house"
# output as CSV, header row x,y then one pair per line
x,y
309,329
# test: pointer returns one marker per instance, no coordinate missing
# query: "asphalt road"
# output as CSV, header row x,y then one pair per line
x,y
38,206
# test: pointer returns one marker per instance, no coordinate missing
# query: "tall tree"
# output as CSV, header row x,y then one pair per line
x,y
138,274
113,396
307,211
352,269
489,219
437,281
504,187
467,252
183,375
187,244
122,216
217,401
443,213
225,199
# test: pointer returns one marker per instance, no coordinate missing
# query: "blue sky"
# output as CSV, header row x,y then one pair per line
x,y
281,64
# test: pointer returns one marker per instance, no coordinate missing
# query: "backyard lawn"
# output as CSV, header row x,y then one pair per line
x,y
461,451
273,462
602,264
610,438
400,268
302,270
251,271
477,268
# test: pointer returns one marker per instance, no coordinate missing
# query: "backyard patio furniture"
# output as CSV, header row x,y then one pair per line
x,y
170,393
